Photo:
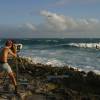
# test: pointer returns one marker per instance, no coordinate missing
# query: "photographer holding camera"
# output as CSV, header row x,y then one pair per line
x,y
4,66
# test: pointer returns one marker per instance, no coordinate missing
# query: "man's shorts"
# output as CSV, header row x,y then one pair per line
x,y
5,67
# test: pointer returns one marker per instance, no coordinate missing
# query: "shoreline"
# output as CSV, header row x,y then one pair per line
x,y
61,82
30,60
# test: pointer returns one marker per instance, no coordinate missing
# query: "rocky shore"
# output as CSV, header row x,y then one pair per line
x,y
57,83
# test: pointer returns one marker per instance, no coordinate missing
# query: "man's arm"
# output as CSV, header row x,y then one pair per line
x,y
13,51
13,54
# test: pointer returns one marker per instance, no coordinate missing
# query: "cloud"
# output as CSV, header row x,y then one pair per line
x,y
60,23
31,26
55,25
27,25
54,21
20,31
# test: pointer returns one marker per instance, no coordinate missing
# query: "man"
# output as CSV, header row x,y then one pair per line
x,y
4,54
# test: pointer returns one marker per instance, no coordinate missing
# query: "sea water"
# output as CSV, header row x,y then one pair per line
x,y
78,53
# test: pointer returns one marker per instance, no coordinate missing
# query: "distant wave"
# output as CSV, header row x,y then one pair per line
x,y
78,45
67,45
86,45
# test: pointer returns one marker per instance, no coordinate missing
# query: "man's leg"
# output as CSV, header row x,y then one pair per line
x,y
8,69
12,77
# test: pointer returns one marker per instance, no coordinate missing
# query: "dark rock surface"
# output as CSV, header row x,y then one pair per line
x,y
56,83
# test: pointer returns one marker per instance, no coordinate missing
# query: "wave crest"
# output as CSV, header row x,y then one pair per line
x,y
86,45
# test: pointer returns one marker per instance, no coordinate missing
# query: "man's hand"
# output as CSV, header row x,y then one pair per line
x,y
13,49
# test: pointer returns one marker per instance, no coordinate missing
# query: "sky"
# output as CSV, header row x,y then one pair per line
x,y
49,18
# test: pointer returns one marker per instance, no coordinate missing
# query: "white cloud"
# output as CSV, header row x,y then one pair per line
x,y
56,25
31,26
60,23
54,21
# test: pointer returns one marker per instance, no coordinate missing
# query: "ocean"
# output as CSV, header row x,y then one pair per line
x,y
83,53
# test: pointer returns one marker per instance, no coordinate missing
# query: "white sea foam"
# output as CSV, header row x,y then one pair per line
x,y
52,62
55,62
97,71
58,63
39,60
86,45
28,59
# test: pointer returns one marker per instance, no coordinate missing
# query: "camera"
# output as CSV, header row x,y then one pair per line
x,y
18,47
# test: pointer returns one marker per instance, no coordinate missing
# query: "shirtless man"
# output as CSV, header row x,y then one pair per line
x,y
4,54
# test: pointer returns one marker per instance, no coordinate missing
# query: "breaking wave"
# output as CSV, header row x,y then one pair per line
x,y
53,62
58,63
78,45
86,45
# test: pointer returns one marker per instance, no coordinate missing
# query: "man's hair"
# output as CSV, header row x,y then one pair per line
x,y
8,43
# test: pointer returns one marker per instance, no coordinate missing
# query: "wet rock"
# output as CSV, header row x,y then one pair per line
x,y
66,83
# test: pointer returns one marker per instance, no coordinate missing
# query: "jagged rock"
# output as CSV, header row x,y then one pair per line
x,y
77,85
